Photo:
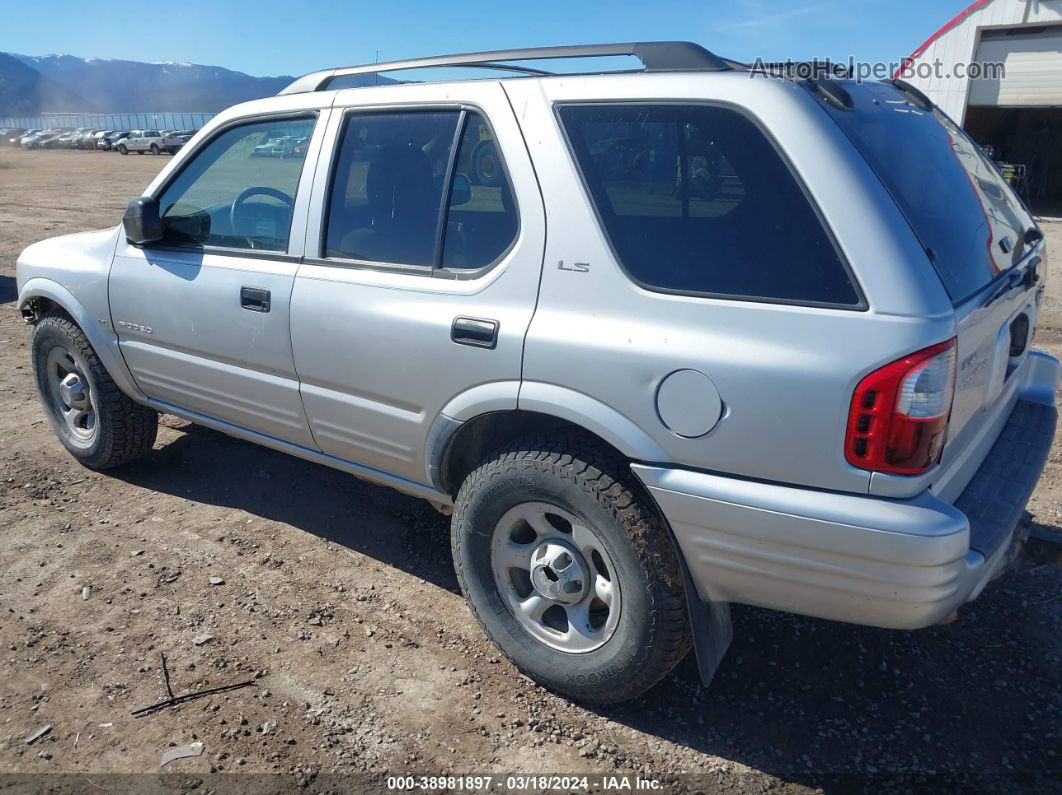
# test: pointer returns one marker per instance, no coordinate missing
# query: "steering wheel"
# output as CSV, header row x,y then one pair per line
x,y
239,201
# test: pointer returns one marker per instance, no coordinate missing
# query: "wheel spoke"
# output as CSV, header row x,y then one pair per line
x,y
584,539
604,590
73,419
580,633
533,607
510,555
535,515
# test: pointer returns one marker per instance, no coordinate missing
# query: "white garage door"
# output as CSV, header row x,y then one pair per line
x,y
1033,58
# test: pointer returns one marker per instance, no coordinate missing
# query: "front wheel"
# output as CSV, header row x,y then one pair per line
x,y
96,422
123,149
569,570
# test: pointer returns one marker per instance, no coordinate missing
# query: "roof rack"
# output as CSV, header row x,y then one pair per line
x,y
656,56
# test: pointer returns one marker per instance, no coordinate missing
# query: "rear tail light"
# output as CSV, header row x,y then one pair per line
x,y
898,421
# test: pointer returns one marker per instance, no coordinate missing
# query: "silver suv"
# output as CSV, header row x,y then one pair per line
x,y
661,340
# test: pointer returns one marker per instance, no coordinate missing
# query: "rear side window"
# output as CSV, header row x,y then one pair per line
x,y
388,187
424,188
695,199
481,219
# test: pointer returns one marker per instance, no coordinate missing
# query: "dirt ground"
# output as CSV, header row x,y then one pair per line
x,y
340,603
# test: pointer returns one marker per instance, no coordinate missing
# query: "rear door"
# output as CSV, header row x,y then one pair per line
x,y
974,231
203,316
421,273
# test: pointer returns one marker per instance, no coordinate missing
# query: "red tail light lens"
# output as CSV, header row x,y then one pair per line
x,y
898,421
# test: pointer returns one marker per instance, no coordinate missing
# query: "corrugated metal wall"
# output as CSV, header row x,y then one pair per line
x,y
959,45
1033,57
111,121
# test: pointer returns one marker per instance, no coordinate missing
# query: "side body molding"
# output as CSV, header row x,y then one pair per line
x,y
102,338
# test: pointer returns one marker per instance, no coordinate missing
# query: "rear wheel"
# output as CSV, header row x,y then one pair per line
x,y
569,571
97,422
154,149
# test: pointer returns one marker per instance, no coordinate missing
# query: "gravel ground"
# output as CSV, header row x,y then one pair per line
x,y
338,601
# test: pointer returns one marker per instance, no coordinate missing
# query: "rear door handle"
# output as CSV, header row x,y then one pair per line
x,y
474,331
255,299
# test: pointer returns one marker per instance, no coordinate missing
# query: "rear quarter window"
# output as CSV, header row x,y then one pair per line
x,y
694,199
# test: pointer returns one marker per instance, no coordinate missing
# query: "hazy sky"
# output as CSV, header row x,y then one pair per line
x,y
270,37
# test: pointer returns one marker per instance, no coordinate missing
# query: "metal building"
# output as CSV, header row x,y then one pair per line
x,y
1017,113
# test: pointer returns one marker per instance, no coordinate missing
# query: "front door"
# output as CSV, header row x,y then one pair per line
x,y
427,268
203,316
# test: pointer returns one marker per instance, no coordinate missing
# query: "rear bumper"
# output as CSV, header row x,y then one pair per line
x,y
882,562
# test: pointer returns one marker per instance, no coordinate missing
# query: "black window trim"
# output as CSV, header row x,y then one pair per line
x,y
463,109
860,306
282,256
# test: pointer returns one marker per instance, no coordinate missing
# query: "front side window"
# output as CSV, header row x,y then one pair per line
x,y
695,199
403,194
232,194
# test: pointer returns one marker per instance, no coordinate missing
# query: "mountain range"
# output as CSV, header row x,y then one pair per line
x,y
33,84
24,91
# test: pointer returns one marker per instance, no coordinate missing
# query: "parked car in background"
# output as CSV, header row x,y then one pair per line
x,y
142,141
65,140
274,146
18,138
87,139
173,140
10,135
41,140
99,137
111,140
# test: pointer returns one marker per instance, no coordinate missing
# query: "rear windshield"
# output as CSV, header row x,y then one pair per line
x,y
968,219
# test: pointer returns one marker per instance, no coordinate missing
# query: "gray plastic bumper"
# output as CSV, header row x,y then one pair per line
x,y
893,563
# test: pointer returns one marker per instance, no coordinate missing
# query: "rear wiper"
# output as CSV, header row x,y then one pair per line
x,y
1025,276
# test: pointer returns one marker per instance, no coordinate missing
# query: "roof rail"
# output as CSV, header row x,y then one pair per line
x,y
656,56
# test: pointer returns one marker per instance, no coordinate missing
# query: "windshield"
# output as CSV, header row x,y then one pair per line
x,y
969,221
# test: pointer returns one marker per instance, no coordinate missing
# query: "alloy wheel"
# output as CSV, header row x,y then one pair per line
x,y
70,396
556,577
